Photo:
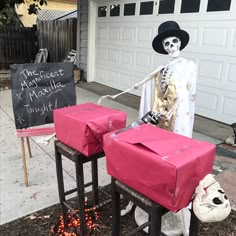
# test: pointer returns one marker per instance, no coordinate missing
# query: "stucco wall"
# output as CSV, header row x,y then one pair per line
x,y
29,20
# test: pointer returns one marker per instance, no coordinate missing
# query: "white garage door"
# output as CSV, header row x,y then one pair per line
x,y
124,32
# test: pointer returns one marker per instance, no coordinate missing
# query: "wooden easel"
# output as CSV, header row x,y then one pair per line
x,y
26,133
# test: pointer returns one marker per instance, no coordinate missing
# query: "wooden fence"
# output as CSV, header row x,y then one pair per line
x,y
17,45
58,37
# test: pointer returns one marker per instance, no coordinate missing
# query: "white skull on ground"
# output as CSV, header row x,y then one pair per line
x,y
210,203
172,46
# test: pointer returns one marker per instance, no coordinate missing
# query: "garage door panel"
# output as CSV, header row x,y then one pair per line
x,y
232,75
113,55
126,58
113,33
142,60
128,34
124,54
112,78
234,38
123,34
207,101
102,33
229,105
101,54
137,79
210,69
194,32
144,34
125,81
101,75
214,37
159,60
215,72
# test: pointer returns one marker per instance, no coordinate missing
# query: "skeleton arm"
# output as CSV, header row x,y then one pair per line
x,y
136,86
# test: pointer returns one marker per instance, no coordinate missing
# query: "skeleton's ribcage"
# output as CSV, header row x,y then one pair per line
x,y
166,74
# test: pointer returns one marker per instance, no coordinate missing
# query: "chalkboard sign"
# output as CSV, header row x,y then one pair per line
x,y
38,89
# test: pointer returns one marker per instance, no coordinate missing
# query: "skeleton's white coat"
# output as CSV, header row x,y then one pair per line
x,y
185,76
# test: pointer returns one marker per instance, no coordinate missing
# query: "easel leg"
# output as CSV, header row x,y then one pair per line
x,y
24,161
28,145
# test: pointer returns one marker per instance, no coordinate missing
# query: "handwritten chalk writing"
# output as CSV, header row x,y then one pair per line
x,y
19,97
38,89
27,73
20,119
44,108
42,76
24,84
47,91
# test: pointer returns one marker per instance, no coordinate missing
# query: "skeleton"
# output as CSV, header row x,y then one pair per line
x,y
172,46
210,203
177,82
173,224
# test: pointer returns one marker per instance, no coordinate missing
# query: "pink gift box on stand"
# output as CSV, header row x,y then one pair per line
x,y
164,166
82,126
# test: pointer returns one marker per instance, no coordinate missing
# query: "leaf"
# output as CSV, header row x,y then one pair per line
x,y
32,217
34,195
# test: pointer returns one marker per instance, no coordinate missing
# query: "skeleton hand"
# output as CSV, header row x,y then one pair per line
x,y
154,118
157,117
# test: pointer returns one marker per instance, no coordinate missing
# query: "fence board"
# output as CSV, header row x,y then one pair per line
x,y
17,45
20,45
59,37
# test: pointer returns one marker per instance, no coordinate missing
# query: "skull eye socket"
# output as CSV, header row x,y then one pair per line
x,y
175,41
220,191
166,44
217,201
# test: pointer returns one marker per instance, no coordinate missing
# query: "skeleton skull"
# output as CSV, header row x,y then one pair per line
x,y
172,46
210,203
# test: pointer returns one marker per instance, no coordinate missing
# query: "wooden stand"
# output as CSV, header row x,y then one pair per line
x,y
24,158
26,133
78,159
154,210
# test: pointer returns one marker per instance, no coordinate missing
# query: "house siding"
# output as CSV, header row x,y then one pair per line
x,y
82,35
30,20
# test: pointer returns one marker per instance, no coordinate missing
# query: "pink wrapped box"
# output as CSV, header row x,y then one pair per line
x,y
82,126
164,166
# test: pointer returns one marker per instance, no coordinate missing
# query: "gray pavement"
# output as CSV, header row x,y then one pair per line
x,y
18,201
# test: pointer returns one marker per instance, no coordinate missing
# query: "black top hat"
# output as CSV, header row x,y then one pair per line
x,y
168,29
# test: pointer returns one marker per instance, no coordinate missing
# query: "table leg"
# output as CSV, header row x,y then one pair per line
x,y
115,210
94,167
194,224
60,182
80,192
155,221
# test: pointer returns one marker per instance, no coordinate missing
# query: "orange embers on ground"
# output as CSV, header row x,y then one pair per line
x,y
72,228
